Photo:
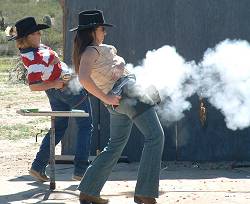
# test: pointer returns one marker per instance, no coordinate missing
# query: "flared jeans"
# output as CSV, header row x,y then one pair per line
x,y
121,120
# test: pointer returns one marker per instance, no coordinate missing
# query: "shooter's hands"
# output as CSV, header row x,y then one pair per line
x,y
118,71
112,100
55,60
58,84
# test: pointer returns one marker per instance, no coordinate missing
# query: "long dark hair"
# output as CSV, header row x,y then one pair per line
x,y
83,38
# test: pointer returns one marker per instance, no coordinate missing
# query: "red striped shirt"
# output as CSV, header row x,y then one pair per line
x,y
38,63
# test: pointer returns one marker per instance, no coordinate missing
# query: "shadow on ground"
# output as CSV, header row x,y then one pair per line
x,y
66,189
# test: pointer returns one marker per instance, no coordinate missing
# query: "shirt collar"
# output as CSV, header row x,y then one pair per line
x,y
29,49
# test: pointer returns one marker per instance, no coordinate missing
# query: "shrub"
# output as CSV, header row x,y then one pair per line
x,y
6,47
3,37
39,9
52,38
17,72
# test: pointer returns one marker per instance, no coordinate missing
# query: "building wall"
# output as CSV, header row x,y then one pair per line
x,y
191,26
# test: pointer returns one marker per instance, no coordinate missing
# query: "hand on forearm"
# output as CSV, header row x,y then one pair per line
x,y
55,60
112,100
91,87
118,71
57,84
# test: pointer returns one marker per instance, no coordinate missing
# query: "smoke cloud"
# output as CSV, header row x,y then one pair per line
x,y
172,76
225,81
223,77
73,84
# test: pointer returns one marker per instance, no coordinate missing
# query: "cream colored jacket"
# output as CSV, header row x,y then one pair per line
x,y
104,66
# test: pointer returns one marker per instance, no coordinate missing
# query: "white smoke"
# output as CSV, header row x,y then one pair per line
x,y
173,77
73,84
225,81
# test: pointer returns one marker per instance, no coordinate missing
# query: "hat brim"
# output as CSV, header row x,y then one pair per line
x,y
32,30
82,27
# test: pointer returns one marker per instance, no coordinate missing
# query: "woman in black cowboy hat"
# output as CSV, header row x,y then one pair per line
x,y
102,72
47,73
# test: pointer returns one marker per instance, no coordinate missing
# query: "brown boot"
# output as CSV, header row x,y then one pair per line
x,y
38,176
76,178
144,200
89,199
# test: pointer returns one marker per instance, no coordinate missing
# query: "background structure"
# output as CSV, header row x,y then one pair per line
x,y
191,26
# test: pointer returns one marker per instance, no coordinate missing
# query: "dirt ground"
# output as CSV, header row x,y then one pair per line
x,y
181,182
16,156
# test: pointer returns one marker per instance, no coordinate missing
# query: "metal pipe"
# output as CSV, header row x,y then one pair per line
x,y
98,149
53,114
176,141
52,154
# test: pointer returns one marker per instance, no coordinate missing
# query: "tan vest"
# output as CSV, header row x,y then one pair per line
x,y
101,72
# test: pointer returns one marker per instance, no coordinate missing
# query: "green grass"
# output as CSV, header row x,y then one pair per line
x,y
37,126
17,96
13,10
6,63
16,9
21,131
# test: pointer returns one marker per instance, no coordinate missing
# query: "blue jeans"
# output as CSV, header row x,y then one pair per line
x,y
64,100
121,121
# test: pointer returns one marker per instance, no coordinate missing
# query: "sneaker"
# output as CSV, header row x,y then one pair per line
x,y
77,178
38,176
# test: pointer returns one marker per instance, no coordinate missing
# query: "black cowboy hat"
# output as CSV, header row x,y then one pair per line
x,y
89,19
26,26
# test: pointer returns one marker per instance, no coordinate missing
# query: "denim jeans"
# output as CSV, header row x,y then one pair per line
x,y
121,121
64,100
